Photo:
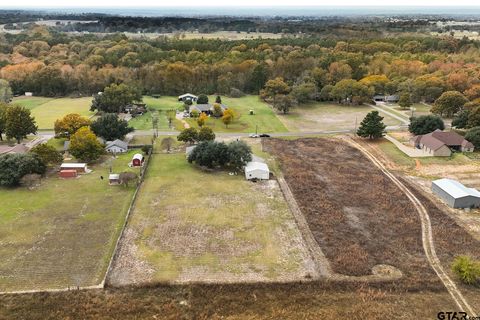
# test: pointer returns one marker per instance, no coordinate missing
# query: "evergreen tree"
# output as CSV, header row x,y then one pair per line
x,y
372,126
19,123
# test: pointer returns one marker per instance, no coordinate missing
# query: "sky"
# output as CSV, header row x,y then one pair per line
x,y
222,3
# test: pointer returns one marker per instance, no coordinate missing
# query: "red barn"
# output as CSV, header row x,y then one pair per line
x,y
138,160
68,173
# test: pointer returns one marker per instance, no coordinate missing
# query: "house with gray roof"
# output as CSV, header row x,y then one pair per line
x,y
117,146
455,194
207,108
441,143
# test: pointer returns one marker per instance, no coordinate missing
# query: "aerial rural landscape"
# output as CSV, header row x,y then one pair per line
x,y
297,163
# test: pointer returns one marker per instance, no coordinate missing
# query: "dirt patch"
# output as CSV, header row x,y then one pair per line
x,y
358,216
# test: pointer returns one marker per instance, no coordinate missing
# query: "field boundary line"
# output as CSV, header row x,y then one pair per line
x,y
321,262
427,233
101,285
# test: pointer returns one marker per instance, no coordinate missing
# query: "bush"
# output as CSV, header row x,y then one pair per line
x,y
236,93
202,99
425,124
47,154
466,269
146,149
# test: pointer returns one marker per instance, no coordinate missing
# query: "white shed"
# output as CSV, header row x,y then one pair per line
x,y
257,170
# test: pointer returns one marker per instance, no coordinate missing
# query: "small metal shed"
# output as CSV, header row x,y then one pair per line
x,y
257,170
455,194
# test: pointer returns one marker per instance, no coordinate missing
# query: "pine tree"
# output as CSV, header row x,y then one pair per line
x,y
372,126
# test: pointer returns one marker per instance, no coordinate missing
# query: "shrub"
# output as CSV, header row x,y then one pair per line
x,y
206,134
202,99
466,269
236,93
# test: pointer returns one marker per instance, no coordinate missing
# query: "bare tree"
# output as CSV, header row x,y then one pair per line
x,y
127,177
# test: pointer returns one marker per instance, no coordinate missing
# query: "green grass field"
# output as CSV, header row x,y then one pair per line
x,y
264,118
161,106
402,159
192,225
328,116
61,233
47,110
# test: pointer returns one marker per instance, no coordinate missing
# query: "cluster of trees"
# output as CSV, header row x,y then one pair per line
x,y
83,133
28,167
212,154
192,135
16,122
346,70
425,124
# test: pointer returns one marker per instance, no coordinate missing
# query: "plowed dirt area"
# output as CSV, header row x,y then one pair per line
x,y
357,215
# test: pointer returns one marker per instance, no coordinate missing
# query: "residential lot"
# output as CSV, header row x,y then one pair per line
x,y
264,118
328,116
191,225
160,106
47,110
62,233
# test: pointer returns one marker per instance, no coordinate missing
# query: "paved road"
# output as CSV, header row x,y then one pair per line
x,y
427,234
244,134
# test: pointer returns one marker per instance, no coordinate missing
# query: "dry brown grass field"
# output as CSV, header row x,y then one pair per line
x,y
357,215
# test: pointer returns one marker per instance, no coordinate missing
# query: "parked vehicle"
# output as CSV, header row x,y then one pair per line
x,y
264,135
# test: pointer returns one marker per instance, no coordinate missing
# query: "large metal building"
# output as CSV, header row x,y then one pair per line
x,y
455,194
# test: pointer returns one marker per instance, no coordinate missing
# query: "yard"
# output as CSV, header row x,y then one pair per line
x,y
161,106
47,110
263,120
328,116
62,233
191,225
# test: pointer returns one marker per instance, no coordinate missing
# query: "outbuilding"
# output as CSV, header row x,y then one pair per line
x,y
78,167
137,160
455,194
28,94
68,174
116,146
187,96
257,170
114,178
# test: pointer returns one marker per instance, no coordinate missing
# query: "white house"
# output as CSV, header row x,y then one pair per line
x,y
28,94
117,146
257,170
187,96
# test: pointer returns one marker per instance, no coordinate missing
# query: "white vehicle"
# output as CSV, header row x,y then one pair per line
x,y
253,135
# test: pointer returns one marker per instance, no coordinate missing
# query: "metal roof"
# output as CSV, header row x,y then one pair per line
x,y
254,165
73,165
119,143
455,188
138,156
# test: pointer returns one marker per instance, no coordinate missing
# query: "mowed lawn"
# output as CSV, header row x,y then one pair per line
x,y
192,225
264,118
61,233
328,116
161,106
47,110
